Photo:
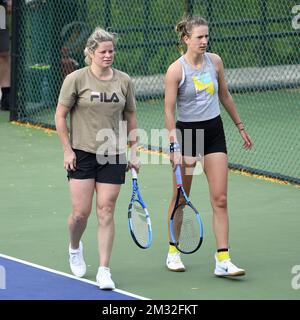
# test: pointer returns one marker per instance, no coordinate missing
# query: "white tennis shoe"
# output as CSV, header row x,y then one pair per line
x,y
104,279
77,264
227,268
174,262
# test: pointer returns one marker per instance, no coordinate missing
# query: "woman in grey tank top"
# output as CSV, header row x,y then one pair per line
x,y
194,85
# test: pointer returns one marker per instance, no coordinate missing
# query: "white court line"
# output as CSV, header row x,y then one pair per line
x,y
70,276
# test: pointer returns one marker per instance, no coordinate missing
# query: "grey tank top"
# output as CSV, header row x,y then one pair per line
x,y
197,96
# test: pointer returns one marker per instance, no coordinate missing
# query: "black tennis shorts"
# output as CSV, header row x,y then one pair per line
x,y
202,137
4,40
104,169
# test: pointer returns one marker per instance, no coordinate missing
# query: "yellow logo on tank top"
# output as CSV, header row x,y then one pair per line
x,y
204,82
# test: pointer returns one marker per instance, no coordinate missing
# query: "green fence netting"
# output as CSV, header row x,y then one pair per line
x,y
257,39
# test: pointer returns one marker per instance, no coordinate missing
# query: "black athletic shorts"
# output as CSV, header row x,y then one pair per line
x,y
202,137
102,168
4,40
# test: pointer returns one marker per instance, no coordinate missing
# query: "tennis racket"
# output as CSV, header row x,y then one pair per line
x,y
138,217
186,227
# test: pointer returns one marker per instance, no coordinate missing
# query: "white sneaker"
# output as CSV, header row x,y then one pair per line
x,y
104,279
227,268
174,262
76,260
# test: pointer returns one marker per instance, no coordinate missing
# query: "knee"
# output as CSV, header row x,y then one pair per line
x,y
105,213
79,216
219,202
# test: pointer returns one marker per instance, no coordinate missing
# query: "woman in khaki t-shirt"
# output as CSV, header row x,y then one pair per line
x,y
101,104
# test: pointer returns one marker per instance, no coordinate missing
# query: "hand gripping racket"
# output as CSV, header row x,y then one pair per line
x,y
138,217
186,227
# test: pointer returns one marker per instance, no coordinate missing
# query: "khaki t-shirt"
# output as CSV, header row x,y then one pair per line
x,y
96,110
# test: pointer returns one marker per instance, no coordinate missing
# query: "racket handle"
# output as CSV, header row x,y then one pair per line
x,y
178,176
134,174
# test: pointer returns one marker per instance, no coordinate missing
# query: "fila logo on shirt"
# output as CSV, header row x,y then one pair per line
x,y
104,97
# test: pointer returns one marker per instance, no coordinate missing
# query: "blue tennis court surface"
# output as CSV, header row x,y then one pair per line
x,y
21,280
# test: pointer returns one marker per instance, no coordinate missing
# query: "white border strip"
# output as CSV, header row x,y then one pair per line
x,y
70,276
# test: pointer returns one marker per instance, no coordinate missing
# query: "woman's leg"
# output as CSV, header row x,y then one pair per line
x,y
107,195
174,262
216,170
81,199
187,169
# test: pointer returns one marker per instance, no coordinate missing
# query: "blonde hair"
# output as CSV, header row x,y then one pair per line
x,y
185,28
99,35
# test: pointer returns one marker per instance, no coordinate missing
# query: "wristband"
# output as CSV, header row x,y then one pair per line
x,y
174,147
237,124
240,123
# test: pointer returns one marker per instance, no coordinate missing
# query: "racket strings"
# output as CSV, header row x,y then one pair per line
x,y
188,231
140,224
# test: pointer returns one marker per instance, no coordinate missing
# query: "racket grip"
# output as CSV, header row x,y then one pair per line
x,y
134,174
178,175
